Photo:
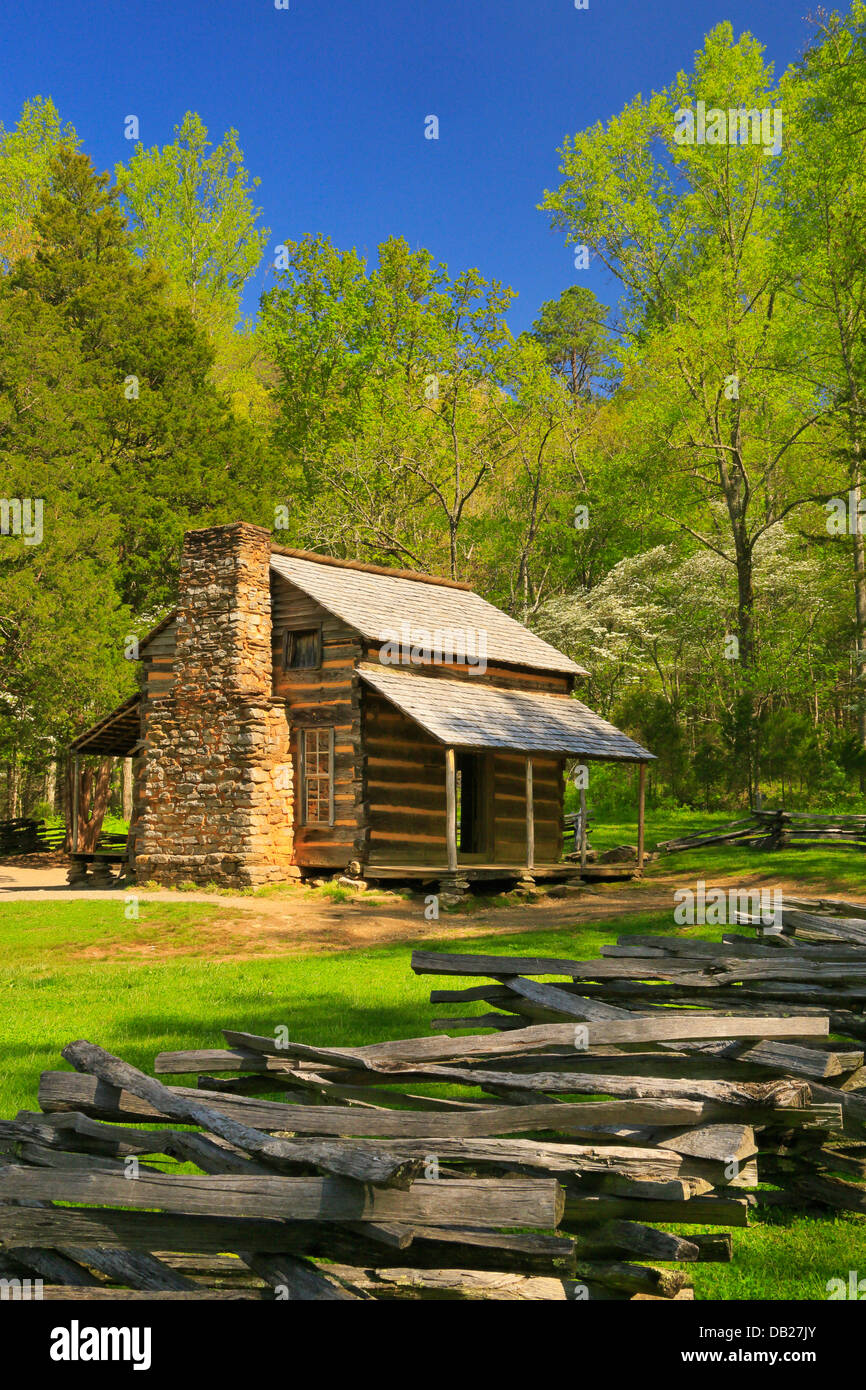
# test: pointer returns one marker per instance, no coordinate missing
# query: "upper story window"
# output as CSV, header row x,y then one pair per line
x,y
302,650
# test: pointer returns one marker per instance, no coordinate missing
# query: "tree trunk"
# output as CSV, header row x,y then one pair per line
x,y
49,784
92,803
13,786
746,737
859,604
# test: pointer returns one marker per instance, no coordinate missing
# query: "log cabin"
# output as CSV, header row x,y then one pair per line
x,y
300,714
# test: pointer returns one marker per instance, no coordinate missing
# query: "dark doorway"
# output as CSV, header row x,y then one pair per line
x,y
471,804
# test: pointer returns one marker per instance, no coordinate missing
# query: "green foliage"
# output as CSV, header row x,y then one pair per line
x,y
109,417
26,153
732,420
410,418
191,211
140,399
646,485
573,335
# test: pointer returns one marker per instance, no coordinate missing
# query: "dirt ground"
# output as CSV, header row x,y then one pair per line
x,y
302,919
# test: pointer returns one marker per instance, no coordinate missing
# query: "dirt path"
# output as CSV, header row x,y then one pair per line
x,y
306,920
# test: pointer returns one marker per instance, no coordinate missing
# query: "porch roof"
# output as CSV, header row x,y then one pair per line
x,y
470,714
116,735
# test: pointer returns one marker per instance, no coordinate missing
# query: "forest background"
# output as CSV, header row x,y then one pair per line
x,y
668,487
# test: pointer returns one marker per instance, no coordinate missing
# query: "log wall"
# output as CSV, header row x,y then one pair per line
x,y
405,785
325,697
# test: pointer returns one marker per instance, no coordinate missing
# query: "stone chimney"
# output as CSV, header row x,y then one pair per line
x,y
216,791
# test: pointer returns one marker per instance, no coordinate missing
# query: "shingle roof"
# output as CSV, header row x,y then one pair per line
x,y
467,714
115,735
377,604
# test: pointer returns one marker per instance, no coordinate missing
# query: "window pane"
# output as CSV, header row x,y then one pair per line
x,y
318,776
302,651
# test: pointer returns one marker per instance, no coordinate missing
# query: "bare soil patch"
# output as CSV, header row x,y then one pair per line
x,y
300,922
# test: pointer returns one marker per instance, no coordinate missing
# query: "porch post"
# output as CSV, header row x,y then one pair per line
x,y
126,775
76,792
530,818
451,808
640,816
583,828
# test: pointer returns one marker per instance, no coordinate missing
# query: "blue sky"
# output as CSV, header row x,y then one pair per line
x,y
329,99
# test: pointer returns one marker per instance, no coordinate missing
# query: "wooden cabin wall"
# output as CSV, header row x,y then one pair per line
x,y
326,697
506,677
406,796
157,659
405,785
509,801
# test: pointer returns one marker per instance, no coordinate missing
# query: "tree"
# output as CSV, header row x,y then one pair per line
x,y
824,248
160,450
110,425
689,229
573,335
387,396
62,623
648,635
191,210
26,153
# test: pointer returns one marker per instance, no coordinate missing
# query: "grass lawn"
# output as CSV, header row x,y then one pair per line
x,y
51,993
842,867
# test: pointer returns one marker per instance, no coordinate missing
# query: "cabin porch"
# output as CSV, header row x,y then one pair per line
x,y
465,784
561,872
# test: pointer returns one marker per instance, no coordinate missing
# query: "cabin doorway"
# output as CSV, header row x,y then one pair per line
x,y
473,820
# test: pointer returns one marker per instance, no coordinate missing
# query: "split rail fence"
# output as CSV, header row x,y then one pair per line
x,y
770,830
601,1108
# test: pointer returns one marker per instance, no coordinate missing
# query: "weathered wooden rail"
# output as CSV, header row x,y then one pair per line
x,y
351,1186
769,830
773,995
26,836
598,1111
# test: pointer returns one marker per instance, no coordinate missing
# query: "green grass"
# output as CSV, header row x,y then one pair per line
x,y
138,1007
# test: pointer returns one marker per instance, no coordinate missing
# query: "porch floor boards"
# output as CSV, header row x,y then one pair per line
x,y
540,872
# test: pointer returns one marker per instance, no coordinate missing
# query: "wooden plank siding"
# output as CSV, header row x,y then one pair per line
x,y
157,660
326,697
506,677
405,785
406,796
509,803
389,792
